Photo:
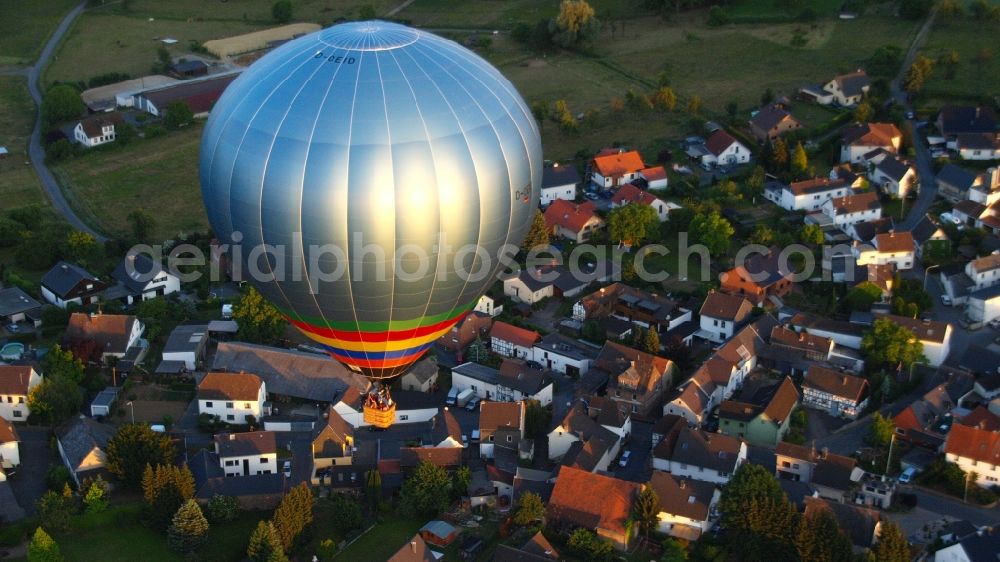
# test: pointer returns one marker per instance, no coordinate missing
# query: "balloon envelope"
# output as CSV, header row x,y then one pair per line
x,y
371,160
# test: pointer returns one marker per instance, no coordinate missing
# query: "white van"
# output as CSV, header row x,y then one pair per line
x,y
452,396
907,476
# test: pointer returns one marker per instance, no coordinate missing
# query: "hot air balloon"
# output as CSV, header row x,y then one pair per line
x,y
383,169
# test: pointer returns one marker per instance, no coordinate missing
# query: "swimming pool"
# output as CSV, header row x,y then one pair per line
x,y
12,351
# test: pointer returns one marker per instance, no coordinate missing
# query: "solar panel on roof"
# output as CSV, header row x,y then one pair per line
x,y
649,306
629,299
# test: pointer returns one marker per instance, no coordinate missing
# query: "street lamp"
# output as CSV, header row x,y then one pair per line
x,y
926,271
131,408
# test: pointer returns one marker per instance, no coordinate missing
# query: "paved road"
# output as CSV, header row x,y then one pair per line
x,y
29,483
35,150
934,510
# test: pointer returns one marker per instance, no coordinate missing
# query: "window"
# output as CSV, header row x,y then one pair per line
x,y
404,417
510,438
785,464
491,438
20,399
17,413
230,417
10,399
229,405
796,465
246,405
230,463
264,460
683,466
208,404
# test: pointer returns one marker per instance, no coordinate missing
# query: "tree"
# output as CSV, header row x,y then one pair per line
x,y
949,8
42,548
189,528
864,112
164,489
732,109
96,498
757,515
538,234
889,345
55,399
863,296
800,160
82,245
632,223
373,488
694,105
133,448
477,352
673,551
294,514
54,511
779,154
713,231
819,539
646,510
574,24
982,10
346,513
589,546
651,341
61,103
265,544
59,362
427,491
812,234
664,98
222,508
281,11
917,74
983,56
880,431
528,509
178,114
142,224
891,545
259,321
460,482
762,234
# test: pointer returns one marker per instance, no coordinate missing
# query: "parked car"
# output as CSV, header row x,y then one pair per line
x,y
946,300
287,469
995,323
706,166
13,328
591,195
472,405
908,475
534,365
624,460
465,440
475,436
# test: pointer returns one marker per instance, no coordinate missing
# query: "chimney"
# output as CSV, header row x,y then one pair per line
x,y
413,546
824,452
683,483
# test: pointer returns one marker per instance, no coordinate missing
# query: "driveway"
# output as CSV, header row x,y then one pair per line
x,y
640,465
36,457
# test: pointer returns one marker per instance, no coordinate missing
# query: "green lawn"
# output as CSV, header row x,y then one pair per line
x,y
769,9
25,26
384,540
159,175
319,11
972,79
19,186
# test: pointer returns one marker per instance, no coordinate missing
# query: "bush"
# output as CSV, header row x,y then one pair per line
x,y
222,508
57,477
281,11
717,16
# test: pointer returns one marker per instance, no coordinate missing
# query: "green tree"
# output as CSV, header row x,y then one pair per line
x,y
632,223
164,489
42,548
800,160
55,399
346,513
755,183
812,234
732,109
477,352
757,516
294,514
178,114
863,296
646,510
82,245
891,545
674,552
61,103
265,544
864,112
189,528
538,234
914,9
651,341
589,546
528,509
54,511
880,431
819,539
281,11
59,362
762,234
259,321
460,482
694,105
536,419
133,448
142,224
779,154
427,491
949,8
575,23
222,508
889,344
96,498
713,231
665,98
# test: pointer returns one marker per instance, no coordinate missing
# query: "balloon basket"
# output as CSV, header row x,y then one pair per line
x,y
380,417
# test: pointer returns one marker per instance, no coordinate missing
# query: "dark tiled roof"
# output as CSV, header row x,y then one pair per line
x,y
198,94
64,276
956,176
967,119
853,84
135,271
560,174
445,457
79,436
246,444
682,496
15,301
520,377
893,167
699,448
924,230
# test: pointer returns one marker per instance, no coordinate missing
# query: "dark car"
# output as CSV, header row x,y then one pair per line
x,y
607,195
534,365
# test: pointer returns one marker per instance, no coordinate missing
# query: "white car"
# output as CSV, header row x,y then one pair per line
x,y
625,457
995,323
946,300
287,469
907,476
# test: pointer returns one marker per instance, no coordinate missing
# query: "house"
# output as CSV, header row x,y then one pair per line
x,y
559,181
897,248
861,524
934,335
199,94
100,407
530,286
508,340
927,234
846,90
571,220
772,122
954,183
957,120
841,332
235,398
606,412
925,421
561,354
105,98
113,335
838,394
979,547
807,195
253,492
978,146
422,377
144,278
760,277
66,283
983,305
879,275
518,381
10,454
18,306
629,193
975,450
615,169
81,442
785,341
831,476
724,150
16,383
487,305
636,306
894,177
862,138
685,505
414,551
582,442
411,407
637,380
537,549
475,325
246,454
721,315
700,455
438,533
572,505
187,344
761,416
852,209
332,443
654,177
984,272
501,424
97,129
189,68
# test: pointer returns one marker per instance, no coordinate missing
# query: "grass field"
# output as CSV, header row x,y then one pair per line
x,y
19,185
319,11
384,540
768,8
967,37
495,14
159,175
26,25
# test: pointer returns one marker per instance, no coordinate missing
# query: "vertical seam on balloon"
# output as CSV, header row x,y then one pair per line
x,y
430,147
395,217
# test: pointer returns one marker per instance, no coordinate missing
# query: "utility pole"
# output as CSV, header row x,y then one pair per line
x,y
888,459
131,408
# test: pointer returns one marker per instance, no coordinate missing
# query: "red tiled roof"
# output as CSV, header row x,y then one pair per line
x,y
855,203
973,443
229,386
884,135
816,185
513,334
109,331
800,340
719,142
783,402
982,418
592,501
494,415
838,384
618,164
14,379
895,242
632,194
7,432
728,307
654,173
569,215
